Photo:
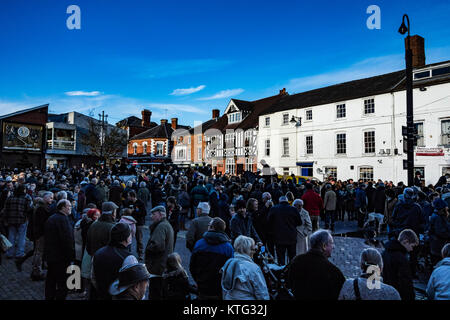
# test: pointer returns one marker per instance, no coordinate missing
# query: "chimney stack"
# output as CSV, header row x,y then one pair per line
x,y
174,123
215,113
146,116
163,121
283,92
418,50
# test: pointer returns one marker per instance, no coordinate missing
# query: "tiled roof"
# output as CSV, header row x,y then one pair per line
x,y
162,131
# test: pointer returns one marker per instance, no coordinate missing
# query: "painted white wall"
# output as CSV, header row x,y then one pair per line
x,y
430,107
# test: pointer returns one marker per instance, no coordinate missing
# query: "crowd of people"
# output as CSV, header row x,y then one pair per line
x,y
91,218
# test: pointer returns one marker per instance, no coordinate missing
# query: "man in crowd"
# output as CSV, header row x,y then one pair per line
x,y
313,203
59,251
198,226
208,257
139,212
311,276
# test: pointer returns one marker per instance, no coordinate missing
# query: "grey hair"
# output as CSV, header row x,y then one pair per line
x,y
142,184
298,202
61,195
320,238
244,245
445,252
46,194
130,183
371,257
266,195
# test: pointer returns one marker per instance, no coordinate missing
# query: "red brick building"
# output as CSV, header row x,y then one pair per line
x,y
23,138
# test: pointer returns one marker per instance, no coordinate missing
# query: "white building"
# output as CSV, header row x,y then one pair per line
x,y
353,130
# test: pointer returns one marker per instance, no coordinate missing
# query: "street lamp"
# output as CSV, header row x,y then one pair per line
x,y
409,100
298,122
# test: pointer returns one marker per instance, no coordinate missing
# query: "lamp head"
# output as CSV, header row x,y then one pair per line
x,y
403,28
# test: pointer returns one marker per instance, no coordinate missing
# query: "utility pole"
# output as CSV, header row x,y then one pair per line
x,y
101,118
409,102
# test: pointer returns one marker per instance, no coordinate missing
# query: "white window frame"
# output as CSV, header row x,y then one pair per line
x,y
230,165
199,154
337,111
364,107
442,137
249,164
189,140
283,147
267,122
374,142
159,143
331,168
422,136
283,122
267,148
306,145
336,142
365,167
135,145
188,153
306,115
144,147
199,138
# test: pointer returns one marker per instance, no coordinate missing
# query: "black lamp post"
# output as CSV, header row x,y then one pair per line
x,y
409,101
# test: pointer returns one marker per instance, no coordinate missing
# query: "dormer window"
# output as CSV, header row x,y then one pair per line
x,y
234,117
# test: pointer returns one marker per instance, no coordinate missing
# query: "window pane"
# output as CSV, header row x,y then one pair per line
x,y
309,144
369,106
366,174
369,142
341,143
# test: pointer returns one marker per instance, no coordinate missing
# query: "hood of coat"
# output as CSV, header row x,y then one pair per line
x,y
233,270
443,262
215,237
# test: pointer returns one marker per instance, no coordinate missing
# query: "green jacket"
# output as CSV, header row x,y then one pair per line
x,y
98,235
159,246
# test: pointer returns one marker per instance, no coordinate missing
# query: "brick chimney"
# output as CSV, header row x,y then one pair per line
x,y
174,123
283,92
163,121
418,50
215,113
146,116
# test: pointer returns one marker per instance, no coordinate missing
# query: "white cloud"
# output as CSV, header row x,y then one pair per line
x,y
181,92
224,94
83,93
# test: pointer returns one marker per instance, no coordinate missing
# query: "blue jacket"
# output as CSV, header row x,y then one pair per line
x,y
243,226
427,211
209,255
439,233
360,198
408,215
438,287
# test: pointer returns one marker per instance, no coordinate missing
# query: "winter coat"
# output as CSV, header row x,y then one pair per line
x,y
379,199
438,287
243,226
106,264
282,221
92,194
389,209
396,269
16,210
408,215
385,292
184,200
446,198
103,193
313,203
196,230
242,279
214,198
427,211
312,277
143,194
99,234
208,257
159,246
329,202
360,198
199,194
41,215
439,233
303,232
139,211
115,194
176,286
260,222
58,238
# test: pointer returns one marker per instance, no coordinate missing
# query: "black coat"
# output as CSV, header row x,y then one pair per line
x,y
396,269
107,263
378,200
214,198
282,221
243,226
260,222
92,195
115,194
41,216
59,243
139,211
312,277
408,215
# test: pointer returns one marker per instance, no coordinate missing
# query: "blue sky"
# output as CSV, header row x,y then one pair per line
x,y
184,58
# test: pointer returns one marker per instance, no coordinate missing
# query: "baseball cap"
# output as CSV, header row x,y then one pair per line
x,y
204,206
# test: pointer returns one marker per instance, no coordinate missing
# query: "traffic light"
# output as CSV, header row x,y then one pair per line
x,y
405,138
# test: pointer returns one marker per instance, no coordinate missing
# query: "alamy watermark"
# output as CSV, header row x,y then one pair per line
x,y
374,21
74,280
74,20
